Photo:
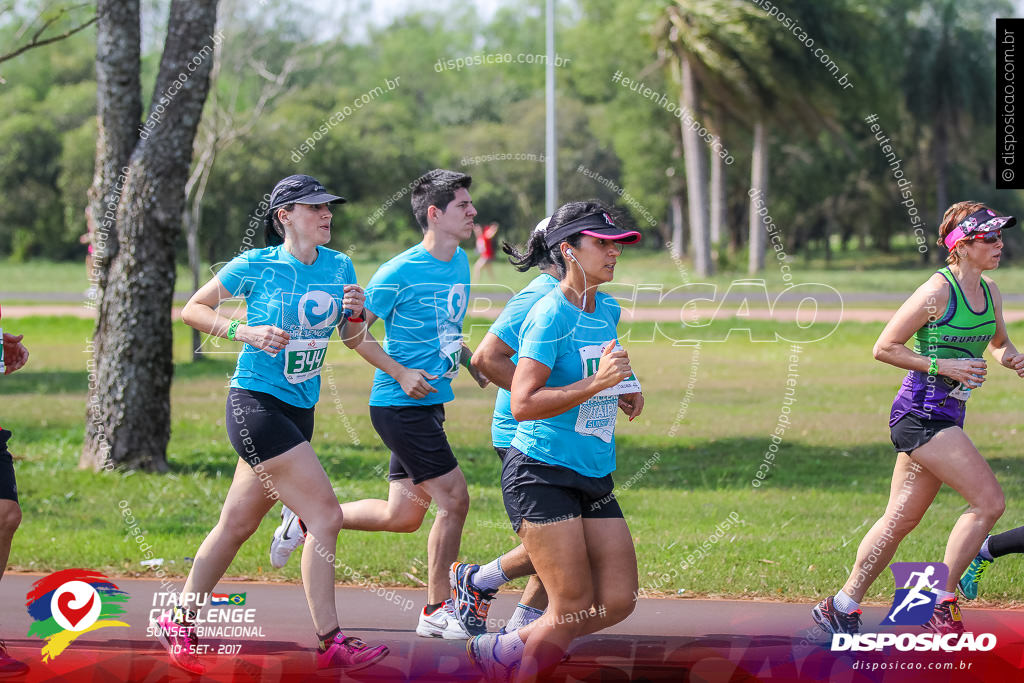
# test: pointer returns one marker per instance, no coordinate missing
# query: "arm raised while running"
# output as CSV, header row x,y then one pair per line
x,y
1001,348
412,380
200,313
532,400
925,305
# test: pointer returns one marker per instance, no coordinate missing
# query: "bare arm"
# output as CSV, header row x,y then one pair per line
x,y
200,313
925,305
532,400
412,380
493,358
1001,348
466,360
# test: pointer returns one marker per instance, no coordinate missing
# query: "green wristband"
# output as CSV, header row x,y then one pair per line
x,y
232,328
933,366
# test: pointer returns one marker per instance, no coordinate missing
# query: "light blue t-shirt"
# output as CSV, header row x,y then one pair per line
x,y
506,328
422,301
304,301
569,341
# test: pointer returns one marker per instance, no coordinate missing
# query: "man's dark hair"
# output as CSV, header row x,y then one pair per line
x,y
436,188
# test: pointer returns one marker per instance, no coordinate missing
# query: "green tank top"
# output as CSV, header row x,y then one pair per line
x,y
960,332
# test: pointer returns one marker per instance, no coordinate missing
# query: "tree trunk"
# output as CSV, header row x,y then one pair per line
x,y
192,218
696,174
678,241
941,155
129,389
758,182
717,203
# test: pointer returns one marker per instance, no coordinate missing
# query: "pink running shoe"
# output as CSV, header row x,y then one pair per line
x,y
9,666
180,641
349,653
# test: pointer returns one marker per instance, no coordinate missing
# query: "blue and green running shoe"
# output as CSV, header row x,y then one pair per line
x,y
969,581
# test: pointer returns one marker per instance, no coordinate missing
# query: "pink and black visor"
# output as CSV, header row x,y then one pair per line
x,y
598,224
977,223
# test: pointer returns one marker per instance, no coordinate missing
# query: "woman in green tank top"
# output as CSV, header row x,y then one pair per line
x,y
954,317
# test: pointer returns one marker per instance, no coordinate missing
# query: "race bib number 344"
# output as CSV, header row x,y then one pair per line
x,y
304,359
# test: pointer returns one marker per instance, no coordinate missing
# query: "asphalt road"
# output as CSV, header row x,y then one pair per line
x,y
664,640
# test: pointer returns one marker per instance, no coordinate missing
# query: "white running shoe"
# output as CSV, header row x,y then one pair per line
x,y
481,650
441,623
287,537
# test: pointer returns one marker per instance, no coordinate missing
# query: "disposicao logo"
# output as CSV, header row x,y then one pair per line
x,y
913,605
914,601
71,602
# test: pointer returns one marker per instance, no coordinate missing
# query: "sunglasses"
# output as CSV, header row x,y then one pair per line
x,y
987,237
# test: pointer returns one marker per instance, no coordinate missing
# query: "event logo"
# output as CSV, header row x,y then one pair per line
x,y
457,302
317,305
68,603
914,601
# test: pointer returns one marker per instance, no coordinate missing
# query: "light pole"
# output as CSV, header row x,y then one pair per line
x,y
550,139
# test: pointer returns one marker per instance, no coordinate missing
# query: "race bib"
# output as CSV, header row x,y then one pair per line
x,y
304,359
961,393
590,356
452,351
597,417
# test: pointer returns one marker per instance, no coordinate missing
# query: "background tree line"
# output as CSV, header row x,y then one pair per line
x,y
108,116
926,68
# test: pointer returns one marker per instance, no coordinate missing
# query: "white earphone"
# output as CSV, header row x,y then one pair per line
x,y
569,252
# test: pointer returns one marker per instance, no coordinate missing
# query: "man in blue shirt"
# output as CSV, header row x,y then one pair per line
x,y
422,295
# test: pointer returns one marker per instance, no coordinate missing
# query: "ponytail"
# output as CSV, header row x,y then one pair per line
x,y
538,253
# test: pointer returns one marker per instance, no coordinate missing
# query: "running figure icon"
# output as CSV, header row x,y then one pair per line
x,y
916,596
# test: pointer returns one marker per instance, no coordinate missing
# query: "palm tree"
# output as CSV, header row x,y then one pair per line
x,y
749,70
948,80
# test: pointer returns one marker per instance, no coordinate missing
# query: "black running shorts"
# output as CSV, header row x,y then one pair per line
x,y
8,486
261,426
415,435
541,493
502,452
913,432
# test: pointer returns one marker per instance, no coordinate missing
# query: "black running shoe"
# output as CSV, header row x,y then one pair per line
x,y
831,620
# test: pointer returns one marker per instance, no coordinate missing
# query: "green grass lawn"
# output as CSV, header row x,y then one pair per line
x,y
799,529
857,274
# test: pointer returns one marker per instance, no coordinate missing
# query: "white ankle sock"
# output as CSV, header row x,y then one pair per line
x,y
985,554
844,603
510,647
489,577
523,615
942,596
